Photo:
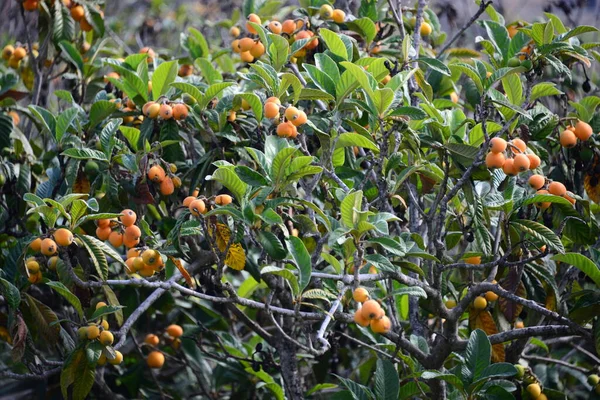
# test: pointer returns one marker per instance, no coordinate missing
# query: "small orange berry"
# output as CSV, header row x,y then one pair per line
x,y
520,145
275,27
167,187
509,167
360,319
521,163
103,233
63,237
156,173
536,181
197,207
568,138
166,111
223,199
180,112
381,325
155,359
371,309
271,110
188,200
48,247
360,295
497,145
494,160
534,161
583,130
128,217
252,18
152,339
116,238
174,330
557,189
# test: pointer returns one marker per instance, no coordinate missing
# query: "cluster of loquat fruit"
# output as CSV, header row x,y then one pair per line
x,y
293,118
166,182
119,232
48,247
165,110
79,15
542,185
582,131
99,331
530,382
125,105
198,206
13,55
172,334
516,159
144,262
370,313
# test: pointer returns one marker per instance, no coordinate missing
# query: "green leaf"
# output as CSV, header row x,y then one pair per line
x,y
107,136
387,384
288,80
84,154
199,39
396,247
335,44
435,65
213,91
320,78
132,135
287,275
64,120
314,94
164,75
250,176
272,245
106,249
447,377
470,72
71,54
349,139
228,178
189,89
278,51
70,297
351,203
299,253
105,310
100,110
411,291
10,293
255,104
582,263
540,232
409,111
575,32
364,27
478,353
96,255
210,73
498,370
513,88
544,89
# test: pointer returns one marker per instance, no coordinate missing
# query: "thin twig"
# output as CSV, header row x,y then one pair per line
x,y
466,26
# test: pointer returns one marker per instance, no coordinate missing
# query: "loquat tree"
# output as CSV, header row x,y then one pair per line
x,y
300,202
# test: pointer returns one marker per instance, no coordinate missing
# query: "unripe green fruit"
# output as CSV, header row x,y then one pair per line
x,y
91,168
593,379
187,99
514,62
520,371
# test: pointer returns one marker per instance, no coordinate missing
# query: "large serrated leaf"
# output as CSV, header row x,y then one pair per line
x,y
96,255
539,232
582,263
299,253
66,293
164,75
387,384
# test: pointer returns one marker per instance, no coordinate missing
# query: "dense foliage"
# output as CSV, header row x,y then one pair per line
x,y
336,203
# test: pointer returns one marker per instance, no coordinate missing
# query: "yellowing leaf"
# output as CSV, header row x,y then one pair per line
x,y
236,256
483,320
184,273
591,183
